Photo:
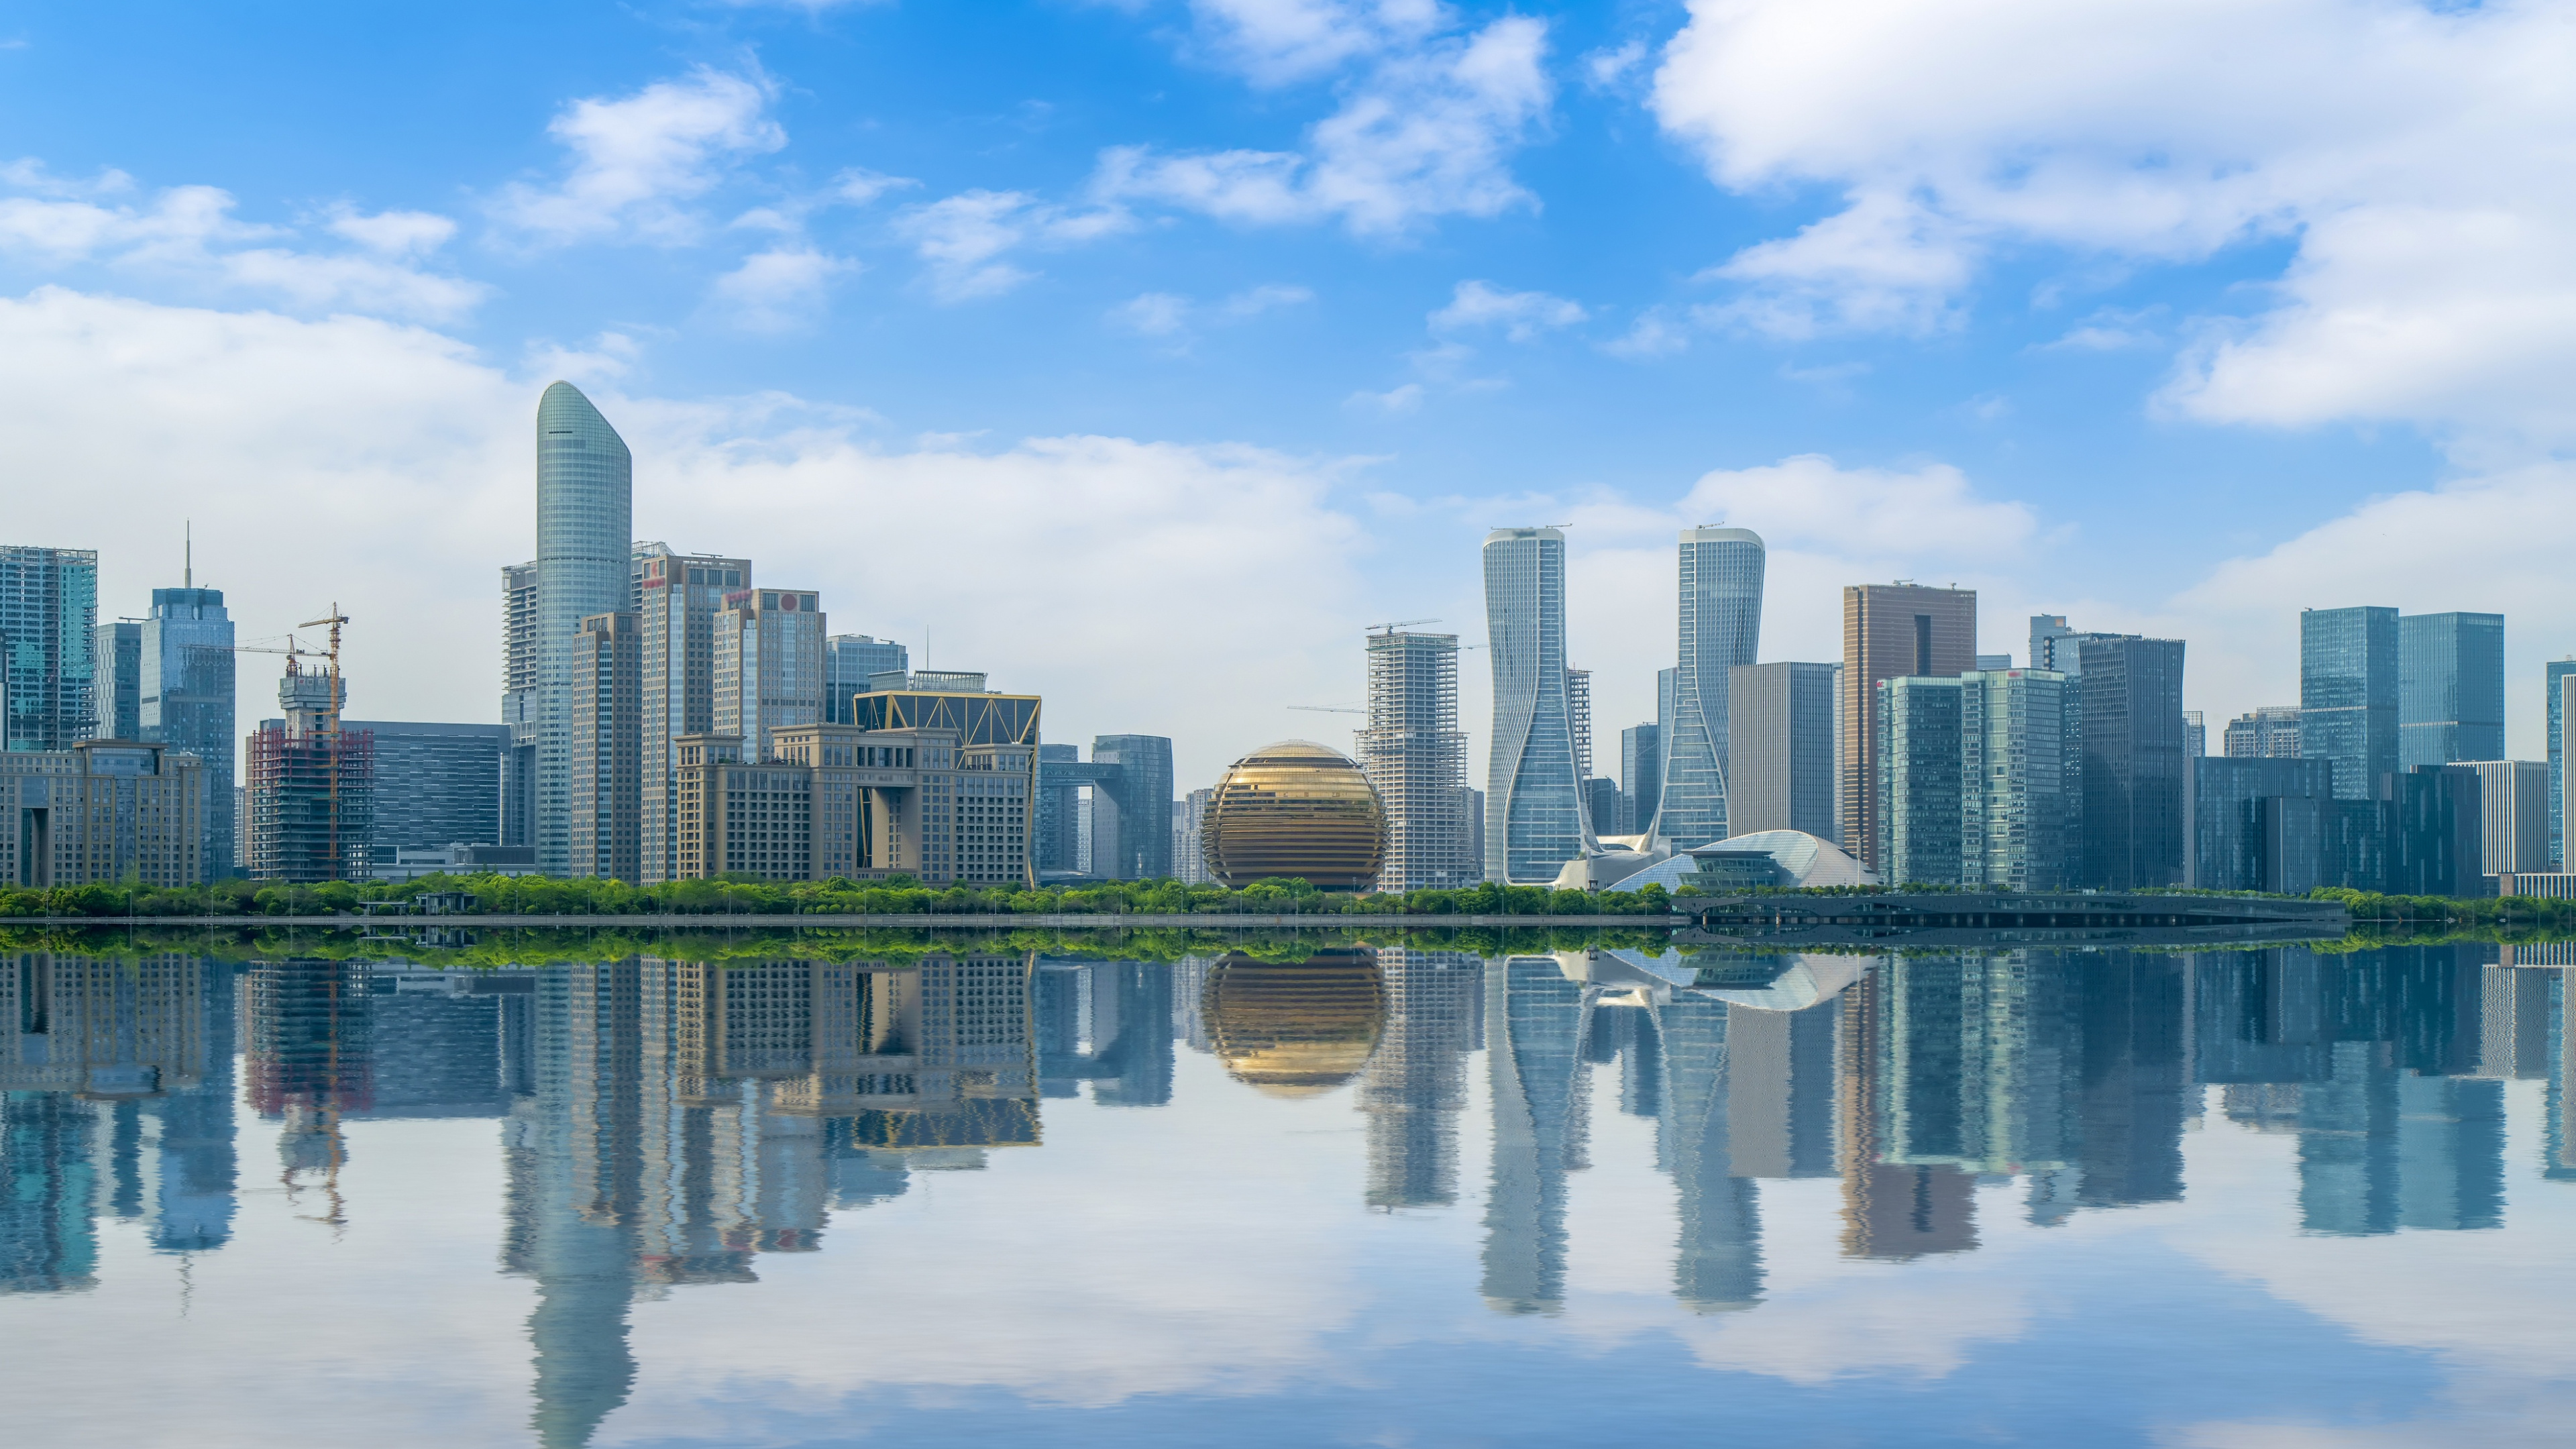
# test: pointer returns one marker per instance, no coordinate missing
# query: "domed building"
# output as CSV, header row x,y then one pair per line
x,y
1295,810
1295,1028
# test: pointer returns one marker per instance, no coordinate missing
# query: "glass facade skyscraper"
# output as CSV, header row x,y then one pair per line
x,y
848,660
1721,627
1780,749
119,652
2134,759
48,647
436,784
1141,808
677,598
2348,695
185,700
2559,671
585,541
1533,806
2450,695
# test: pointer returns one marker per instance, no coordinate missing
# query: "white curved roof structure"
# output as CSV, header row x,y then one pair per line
x,y
1805,859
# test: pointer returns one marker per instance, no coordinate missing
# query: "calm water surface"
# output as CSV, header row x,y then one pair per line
x,y
1392,1197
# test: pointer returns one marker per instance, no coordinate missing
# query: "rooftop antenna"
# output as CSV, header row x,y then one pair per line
x,y
188,553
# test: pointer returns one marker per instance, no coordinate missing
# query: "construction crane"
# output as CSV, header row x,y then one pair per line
x,y
1330,708
296,653
1399,624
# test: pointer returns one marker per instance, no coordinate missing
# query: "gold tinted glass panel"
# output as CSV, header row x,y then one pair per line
x,y
1294,1029
1295,810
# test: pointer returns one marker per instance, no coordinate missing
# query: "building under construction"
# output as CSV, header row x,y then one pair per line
x,y
310,784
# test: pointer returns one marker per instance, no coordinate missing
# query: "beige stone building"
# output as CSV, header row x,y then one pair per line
x,y
103,812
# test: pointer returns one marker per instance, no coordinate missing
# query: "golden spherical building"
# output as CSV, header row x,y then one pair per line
x,y
1295,810
1295,1028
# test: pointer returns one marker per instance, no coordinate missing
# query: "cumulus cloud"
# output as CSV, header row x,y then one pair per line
x,y
637,159
1428,131
395,462
1168,315
2397,148
1521,315
779,290
1275,42
963,239
188,236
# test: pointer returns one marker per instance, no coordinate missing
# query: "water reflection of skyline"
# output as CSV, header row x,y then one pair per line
x,y
666,1124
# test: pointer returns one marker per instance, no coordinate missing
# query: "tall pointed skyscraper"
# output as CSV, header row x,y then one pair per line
x,y
1533,806
585,530
1721,618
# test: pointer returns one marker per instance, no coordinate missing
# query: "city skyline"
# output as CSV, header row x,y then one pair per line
x,y
1049,356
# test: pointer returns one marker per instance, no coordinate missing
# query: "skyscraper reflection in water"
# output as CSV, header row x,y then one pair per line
x,y
115,1097
1534,1064
687,1117
1109,1023
1415,1084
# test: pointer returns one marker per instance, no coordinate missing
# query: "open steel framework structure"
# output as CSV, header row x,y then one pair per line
x,y
1416,756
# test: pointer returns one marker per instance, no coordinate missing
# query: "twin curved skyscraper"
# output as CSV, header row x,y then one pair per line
x,y
1535,819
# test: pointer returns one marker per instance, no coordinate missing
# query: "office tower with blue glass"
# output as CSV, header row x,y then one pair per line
x,y
848,660
2260,823
1780,749
1981,782
2130,694
1721,627
119,653
519,703
584,566
768,666
185,700
2450,692
2348,692
1533,805
1134,833
48,647
1641,771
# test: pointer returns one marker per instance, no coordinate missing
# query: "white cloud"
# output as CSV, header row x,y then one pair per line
x,y
1521,315
395,233
394,463
1655,334
1269,297
858,185
188,236
1275,42
780,290
1427,133
636,159
1155,314
963,238
1406,398
2401,150
1605,69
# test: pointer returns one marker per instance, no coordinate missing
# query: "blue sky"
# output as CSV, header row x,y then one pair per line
x,y
1142,352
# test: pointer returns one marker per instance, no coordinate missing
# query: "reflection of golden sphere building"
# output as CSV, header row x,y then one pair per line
x,y
1295,810
1297,1028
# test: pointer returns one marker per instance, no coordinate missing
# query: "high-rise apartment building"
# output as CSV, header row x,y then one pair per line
x,y
1981,780
848,661
678,596
2450,690
519,703
1721,626
1641,760
185,700
1189,835
100,813
1055,842
2195,735
585,566
119,652
1578,706
1780,749
607,748
1891,631
769,665
436,784
1533,806
310,792
2130,694
48,647
2269,733
2348,692
2557,691
1416,756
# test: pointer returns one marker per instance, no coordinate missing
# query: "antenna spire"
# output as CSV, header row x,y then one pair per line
x,y
188,553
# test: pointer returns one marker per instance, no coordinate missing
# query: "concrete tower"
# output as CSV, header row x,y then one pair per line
x,y
585,529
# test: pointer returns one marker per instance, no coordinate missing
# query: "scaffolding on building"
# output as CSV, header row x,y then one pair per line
x,y
309,784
